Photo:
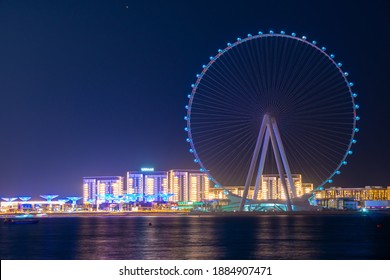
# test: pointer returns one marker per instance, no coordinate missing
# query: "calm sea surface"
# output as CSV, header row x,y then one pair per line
x,y
211,237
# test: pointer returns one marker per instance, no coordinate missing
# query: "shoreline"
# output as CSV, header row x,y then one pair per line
x,y
203,214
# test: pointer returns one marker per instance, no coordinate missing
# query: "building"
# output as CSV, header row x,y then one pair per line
x,y
188,185
147,182
270,189
100,186
368,197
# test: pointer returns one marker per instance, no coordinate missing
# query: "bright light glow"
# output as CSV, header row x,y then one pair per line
x,y
147,169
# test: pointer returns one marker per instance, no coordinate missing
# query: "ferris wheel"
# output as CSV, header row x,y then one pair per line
x,y
271,99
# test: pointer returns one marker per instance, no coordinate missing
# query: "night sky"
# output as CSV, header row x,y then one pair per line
x,y
99,87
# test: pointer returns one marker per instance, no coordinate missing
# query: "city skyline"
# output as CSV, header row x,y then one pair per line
x,y
96,88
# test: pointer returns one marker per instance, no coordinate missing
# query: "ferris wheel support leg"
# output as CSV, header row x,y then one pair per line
x,y
261,164
284,158
279,165
253,161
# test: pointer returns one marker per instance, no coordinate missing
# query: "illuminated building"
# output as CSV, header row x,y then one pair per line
x,y
369,196
307,188
101,186
147,182
198,187
188,185
271,188
178,184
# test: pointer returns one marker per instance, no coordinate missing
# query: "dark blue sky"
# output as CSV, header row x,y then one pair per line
x,y
96,88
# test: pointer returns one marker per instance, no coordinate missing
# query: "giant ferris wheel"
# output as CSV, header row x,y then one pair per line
x,y
271,97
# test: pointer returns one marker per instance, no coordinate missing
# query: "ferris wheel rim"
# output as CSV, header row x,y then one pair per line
x,y
261,35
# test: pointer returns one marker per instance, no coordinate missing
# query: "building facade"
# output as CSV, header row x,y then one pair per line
x,y
367,197
100,186
270,189
188,185
147,182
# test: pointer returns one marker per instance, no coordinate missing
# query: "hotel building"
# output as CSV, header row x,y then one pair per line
x,y
147,182
182,184
350,198
100,186
188,185
271,188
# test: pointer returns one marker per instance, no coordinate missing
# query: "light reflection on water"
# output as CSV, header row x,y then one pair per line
x,y
191,237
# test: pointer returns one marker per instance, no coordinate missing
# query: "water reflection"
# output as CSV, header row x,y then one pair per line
x,y
191,237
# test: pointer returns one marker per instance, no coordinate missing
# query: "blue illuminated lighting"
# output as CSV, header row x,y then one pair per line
x,y
332,56
357,106
49,197
217,186
186,107
24,198
356,129
166,196
260,33
364,210
249,35
346,74
185,117
196,160
354,95
192,85
191,150
73,199
186,128
344,162
9,199
219,50
229,44
189,96
330,181
238,39
323,48
304,37
150,198
314,42
350,152
271,32
204,66
357,118
351,84
282,32
293,34
354,141
202,170
211,57
339,64
188,140
197,75
338,172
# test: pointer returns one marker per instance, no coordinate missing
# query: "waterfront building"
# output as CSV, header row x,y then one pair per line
x,y
101,186
367,197
178,184
198,186
188,185
147,182
270,189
